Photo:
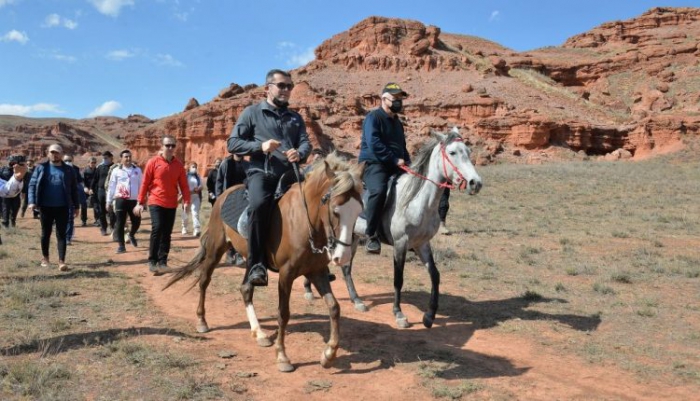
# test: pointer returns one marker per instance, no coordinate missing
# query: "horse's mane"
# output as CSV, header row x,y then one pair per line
x,y
344,180
421,164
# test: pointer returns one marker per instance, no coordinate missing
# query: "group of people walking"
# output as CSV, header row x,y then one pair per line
x,y
267,140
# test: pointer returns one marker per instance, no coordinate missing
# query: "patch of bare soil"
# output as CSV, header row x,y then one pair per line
x,y
377,360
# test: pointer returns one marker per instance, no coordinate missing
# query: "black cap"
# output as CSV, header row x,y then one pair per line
x,y
107,153
394,89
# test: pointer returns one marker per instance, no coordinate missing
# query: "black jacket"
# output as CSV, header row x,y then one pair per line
x,y
230,173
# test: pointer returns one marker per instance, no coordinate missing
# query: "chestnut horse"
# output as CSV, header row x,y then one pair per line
x,y
326,206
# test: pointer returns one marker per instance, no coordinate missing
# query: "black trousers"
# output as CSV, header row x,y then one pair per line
x,y
376,179
162,222
261,192
10,209
444,206
49,217
122,208
104,214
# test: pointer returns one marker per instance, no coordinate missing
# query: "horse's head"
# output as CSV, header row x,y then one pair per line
x,y
344,204
455,164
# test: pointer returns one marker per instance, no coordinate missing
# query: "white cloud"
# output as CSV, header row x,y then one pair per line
x,y
299,59
111,7
495,16
23,110
15,36
293,55
119,55
53,20
106,109
166,59
63,57
6,3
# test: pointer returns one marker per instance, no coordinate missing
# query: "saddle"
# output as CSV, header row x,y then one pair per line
x,y
388,202
234,211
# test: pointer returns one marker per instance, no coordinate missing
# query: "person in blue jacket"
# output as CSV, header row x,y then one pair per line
x,y
383,149
54,190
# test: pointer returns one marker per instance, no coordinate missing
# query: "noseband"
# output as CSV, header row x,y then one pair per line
x,y
333,241
447,184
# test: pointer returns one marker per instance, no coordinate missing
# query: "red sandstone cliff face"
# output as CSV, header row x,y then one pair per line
x,y
631,86
624,85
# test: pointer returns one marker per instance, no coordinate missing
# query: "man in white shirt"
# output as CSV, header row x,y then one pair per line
x,y
13,186
123,190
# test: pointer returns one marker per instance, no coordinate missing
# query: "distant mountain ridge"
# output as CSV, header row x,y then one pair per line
x,y
623,89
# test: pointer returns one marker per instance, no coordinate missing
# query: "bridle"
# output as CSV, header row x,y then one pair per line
x,y
333,240
445,161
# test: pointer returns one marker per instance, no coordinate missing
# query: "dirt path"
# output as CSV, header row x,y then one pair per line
x,y
375,361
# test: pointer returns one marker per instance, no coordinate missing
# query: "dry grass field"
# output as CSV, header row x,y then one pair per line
x,y
561,281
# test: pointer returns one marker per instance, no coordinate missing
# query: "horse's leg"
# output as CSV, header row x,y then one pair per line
x,y
256,331
308,295
323,286
349,283
425,253
284,289
399,261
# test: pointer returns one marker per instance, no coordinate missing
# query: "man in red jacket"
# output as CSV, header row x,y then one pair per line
x,y
163,180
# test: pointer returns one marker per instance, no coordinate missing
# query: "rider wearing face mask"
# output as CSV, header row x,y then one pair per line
x,y
383,149
195,183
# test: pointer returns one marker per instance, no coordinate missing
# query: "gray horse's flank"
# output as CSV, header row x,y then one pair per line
x,y
443,161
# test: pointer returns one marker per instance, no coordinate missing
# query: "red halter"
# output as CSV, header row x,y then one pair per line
x,y
445,161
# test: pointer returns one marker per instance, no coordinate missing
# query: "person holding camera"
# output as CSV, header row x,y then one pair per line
x,y
11,205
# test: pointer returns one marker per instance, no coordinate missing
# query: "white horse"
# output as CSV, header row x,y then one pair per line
x,y
412,220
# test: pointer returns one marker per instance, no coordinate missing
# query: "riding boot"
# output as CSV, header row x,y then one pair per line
x,y
257,276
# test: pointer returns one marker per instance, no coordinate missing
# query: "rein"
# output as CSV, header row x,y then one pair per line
x,y
446,184
332,239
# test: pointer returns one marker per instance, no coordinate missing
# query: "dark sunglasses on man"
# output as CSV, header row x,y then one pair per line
x,y
283,86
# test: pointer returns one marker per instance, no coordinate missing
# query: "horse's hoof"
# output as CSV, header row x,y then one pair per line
x,y
309,296
326,361
428,321
360,306
202,328
285,367
264,342
402,323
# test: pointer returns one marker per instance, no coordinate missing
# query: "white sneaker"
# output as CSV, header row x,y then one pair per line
x,y
184,231
444,230
196,233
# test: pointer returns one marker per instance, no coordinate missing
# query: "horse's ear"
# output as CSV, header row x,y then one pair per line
x,y
440,137
329,171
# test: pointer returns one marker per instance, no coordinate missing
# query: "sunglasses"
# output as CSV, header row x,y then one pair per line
x,y
170,146
283,86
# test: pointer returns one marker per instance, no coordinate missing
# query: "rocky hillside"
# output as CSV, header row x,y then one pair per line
x,y
624,89
31,136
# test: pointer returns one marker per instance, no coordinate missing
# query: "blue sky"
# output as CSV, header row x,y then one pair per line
x,y
83,58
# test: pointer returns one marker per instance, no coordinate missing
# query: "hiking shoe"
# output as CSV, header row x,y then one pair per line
x,y
132,241
121,249
257,276
63,267
373,245
154,269
444,230
184,231
197,233
44,263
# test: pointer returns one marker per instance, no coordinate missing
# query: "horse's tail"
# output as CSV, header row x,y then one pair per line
x,y
193,264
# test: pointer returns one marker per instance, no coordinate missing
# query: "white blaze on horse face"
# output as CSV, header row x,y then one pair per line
x,y
459,155
347,213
